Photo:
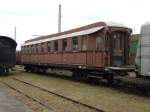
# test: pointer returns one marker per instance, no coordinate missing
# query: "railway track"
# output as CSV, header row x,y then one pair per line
x,y
33,99
127,85
51,93
133,86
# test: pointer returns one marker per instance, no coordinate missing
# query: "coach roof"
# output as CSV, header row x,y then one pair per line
x,y
84,30
9,39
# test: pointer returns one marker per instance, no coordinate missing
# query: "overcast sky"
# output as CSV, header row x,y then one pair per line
x,y
40,17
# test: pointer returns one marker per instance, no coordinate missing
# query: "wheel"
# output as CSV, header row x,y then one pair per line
x,y
79,75
110,79
44,71
74,75
26,69
7,70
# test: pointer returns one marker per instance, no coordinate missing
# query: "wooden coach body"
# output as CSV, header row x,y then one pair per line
x,y
94,46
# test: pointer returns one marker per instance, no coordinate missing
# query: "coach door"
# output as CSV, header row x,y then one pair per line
x,y
117,48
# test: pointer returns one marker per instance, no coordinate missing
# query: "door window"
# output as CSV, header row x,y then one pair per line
x,y
118,41
98,43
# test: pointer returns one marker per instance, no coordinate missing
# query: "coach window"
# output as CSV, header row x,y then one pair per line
x,y
42,47
118,42
74,43
56,45
32,51
64,44
39,48
98,43
49,47
27,49
84,42
36,47
31,48
22,49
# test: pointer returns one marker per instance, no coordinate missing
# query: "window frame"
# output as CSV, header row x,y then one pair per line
x,y
98,43
55,45
42,47
74,41
82,43
49,47
64,44
37,49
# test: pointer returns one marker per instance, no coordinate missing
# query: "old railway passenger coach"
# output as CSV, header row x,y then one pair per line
x,y
7,53
91,47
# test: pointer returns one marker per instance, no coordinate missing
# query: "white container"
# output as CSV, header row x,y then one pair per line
x,y
143,51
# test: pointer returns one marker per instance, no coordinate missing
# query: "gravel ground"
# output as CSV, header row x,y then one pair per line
x,y
55,103
105,98
36,107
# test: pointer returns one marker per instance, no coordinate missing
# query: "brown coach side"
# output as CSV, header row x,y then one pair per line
x,y
95,46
